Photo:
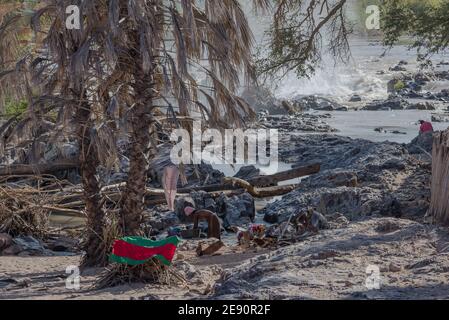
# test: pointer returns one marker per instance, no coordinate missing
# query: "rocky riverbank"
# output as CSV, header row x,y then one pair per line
x,y
365,209
358,178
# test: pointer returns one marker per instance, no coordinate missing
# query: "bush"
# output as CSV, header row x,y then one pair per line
x,y
399,85
15,108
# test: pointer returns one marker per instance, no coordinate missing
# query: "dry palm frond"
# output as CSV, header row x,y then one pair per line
x,y
111,232
27,202
153,272
22,212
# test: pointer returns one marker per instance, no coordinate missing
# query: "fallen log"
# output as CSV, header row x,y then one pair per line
x,y
45,168
261,181
261,192
273,179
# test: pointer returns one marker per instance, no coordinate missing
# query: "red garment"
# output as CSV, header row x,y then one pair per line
x,y
426,127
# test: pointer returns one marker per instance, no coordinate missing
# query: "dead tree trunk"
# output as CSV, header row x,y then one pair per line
x,y
294,173
38,169
439,206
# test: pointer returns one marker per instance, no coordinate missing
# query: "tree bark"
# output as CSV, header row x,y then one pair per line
x,y
439,203
89,162
272,180
38,169
141,120
134,193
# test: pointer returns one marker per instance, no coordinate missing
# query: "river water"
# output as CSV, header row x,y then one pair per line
x,y
361,124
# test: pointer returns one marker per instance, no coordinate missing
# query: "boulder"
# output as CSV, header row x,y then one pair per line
x,y
390,104
355,98
391,85
421,106
410,93
236,210
5,241
318,103
398,68
352,202
421,142
260,98
163,221
356,178
31,246
65,151
422,78
12,250
247,172
440,117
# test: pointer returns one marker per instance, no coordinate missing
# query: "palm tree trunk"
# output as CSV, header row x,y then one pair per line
x,y
141,121
133,197
439,206
95,214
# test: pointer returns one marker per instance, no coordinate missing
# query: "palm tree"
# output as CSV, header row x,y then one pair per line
x,y
51,63
158,46
138,56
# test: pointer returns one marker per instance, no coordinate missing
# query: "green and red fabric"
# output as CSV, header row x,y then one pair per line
x,y
137,250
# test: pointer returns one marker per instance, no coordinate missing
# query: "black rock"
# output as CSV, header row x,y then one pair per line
x,y
398,68
390,104
355,98
421,142
247,172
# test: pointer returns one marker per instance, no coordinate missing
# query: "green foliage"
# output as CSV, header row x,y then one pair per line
x,y
426,22
296,39
15,108
399,85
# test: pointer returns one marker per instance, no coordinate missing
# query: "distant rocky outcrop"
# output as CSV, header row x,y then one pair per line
x,y
358,178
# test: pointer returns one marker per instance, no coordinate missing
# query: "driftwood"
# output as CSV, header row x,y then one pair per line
x,y
67,199
274,179
260,192
260,181
439,203
210,250
46,168
230,186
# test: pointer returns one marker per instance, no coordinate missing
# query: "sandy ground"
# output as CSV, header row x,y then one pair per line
x,y
412,260
45,277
